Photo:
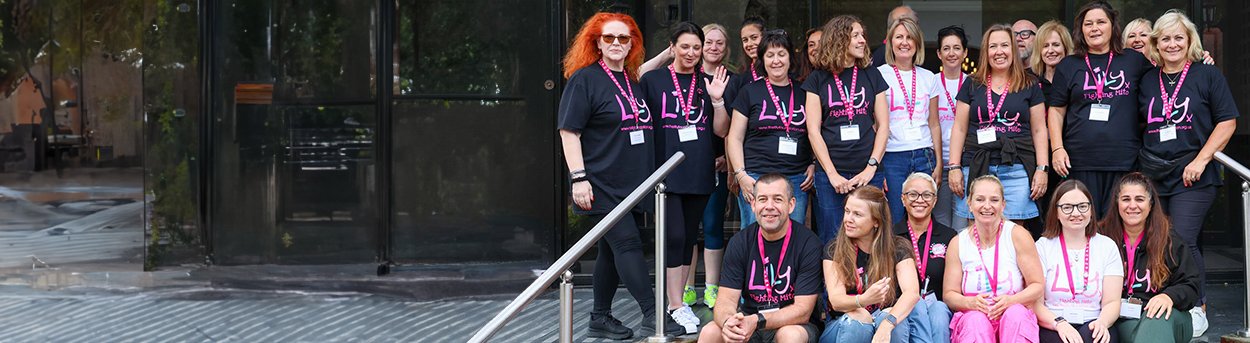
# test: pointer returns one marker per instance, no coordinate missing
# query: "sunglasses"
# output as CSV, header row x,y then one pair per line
x,y
609,39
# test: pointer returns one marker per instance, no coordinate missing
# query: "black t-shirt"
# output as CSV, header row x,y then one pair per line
x,y
765,127
849,156
1204,101
1097,145
1013,118
695,175
736,82
902,251
931,281
799,273
592,105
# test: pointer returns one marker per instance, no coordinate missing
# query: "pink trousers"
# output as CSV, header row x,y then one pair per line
x,y
1017,324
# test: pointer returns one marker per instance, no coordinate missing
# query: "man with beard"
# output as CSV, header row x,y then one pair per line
x,y
773,269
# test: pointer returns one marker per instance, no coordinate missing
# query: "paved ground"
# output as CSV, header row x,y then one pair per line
x,y
185,311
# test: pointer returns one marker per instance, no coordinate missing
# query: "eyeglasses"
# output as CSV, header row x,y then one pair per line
x,y
1025,34
927,196
1081,207
608,39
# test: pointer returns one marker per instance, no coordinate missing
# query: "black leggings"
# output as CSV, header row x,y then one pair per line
x,y
1101,185
1050,336
682,215
620,259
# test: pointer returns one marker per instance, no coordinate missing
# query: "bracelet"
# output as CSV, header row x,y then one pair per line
x,y
889,317
740,170
579,179
857,301
1055,149
720,103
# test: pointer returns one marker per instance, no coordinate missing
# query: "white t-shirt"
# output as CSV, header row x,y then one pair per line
x,y
909,132
946,110
1104,261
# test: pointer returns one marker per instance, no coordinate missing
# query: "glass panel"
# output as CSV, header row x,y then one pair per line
x,y
474,169
70,134
171,103
789,15
293,169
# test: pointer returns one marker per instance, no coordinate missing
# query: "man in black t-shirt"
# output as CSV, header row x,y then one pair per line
x,y
770,276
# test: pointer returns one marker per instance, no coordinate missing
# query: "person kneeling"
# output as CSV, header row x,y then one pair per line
x,y
771,268
868,259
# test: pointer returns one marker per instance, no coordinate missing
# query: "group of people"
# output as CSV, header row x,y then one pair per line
x,y
921,167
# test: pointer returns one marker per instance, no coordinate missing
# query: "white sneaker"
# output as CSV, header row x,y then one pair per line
x,y
688,320
1200,321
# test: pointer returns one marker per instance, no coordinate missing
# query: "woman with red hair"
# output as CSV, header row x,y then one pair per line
x,y
608,144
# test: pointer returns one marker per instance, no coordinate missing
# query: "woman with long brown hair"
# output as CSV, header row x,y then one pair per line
x,y
870,275
1000,129
1083,271
606,133
850,122
1161,279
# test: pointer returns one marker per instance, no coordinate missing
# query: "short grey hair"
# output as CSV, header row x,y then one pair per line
x,y
921,176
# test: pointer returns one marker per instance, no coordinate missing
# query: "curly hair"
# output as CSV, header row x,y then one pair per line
x,y
833,54
585,49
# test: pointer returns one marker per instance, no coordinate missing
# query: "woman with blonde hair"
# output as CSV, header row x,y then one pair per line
x,y
912,100
1137,35
870,275
1053,43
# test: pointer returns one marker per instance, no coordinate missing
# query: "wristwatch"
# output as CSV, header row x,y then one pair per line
x,y
951,167
1059,320
1042,167
760,322
872,162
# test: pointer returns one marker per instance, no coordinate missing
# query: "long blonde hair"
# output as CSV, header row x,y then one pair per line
x,y
884,245
1043,33
1015,72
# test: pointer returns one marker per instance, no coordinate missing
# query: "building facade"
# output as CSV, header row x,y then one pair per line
x,y
336,131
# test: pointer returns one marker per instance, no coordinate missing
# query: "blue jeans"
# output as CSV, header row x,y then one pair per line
x,y
930,322
1016,189
800,200
714,216
831,205
897,166
848,330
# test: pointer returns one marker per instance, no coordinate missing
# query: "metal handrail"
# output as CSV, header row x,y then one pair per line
x,y
1242,171
566,261
1237,168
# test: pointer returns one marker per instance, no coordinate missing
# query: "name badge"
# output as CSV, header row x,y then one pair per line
x,y
850,132
787,146
636,137
1130,308
912,134
1167,133
986,135
688,133
1100,112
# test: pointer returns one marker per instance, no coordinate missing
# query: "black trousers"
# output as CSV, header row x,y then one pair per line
x,y
1050,336
682,215
620,259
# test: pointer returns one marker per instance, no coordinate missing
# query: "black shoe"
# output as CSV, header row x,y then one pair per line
x,y
671,328
605,326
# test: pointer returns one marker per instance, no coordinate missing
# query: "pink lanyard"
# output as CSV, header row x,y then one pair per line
x,y
1170,102
847,104
1131,249
1063,244
768,283
633,104
1100,82
910,100
976,239
915,242
754,75
950,100
789,112
989,97
687,104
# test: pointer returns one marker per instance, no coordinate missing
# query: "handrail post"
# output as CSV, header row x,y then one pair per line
x,y
1245,233
566,307
661,199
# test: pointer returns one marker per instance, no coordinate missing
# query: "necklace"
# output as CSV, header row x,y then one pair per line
x,y
1171,80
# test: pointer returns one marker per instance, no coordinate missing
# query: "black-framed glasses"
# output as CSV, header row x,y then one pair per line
x,y
926,196
608,39
1025,34
1081,207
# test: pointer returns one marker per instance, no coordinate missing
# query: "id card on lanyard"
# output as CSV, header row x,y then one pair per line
x,y
989,134
636,136
1131,307
1100,111
685,104
991,275
1168,131
922,256
849,132
786,145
